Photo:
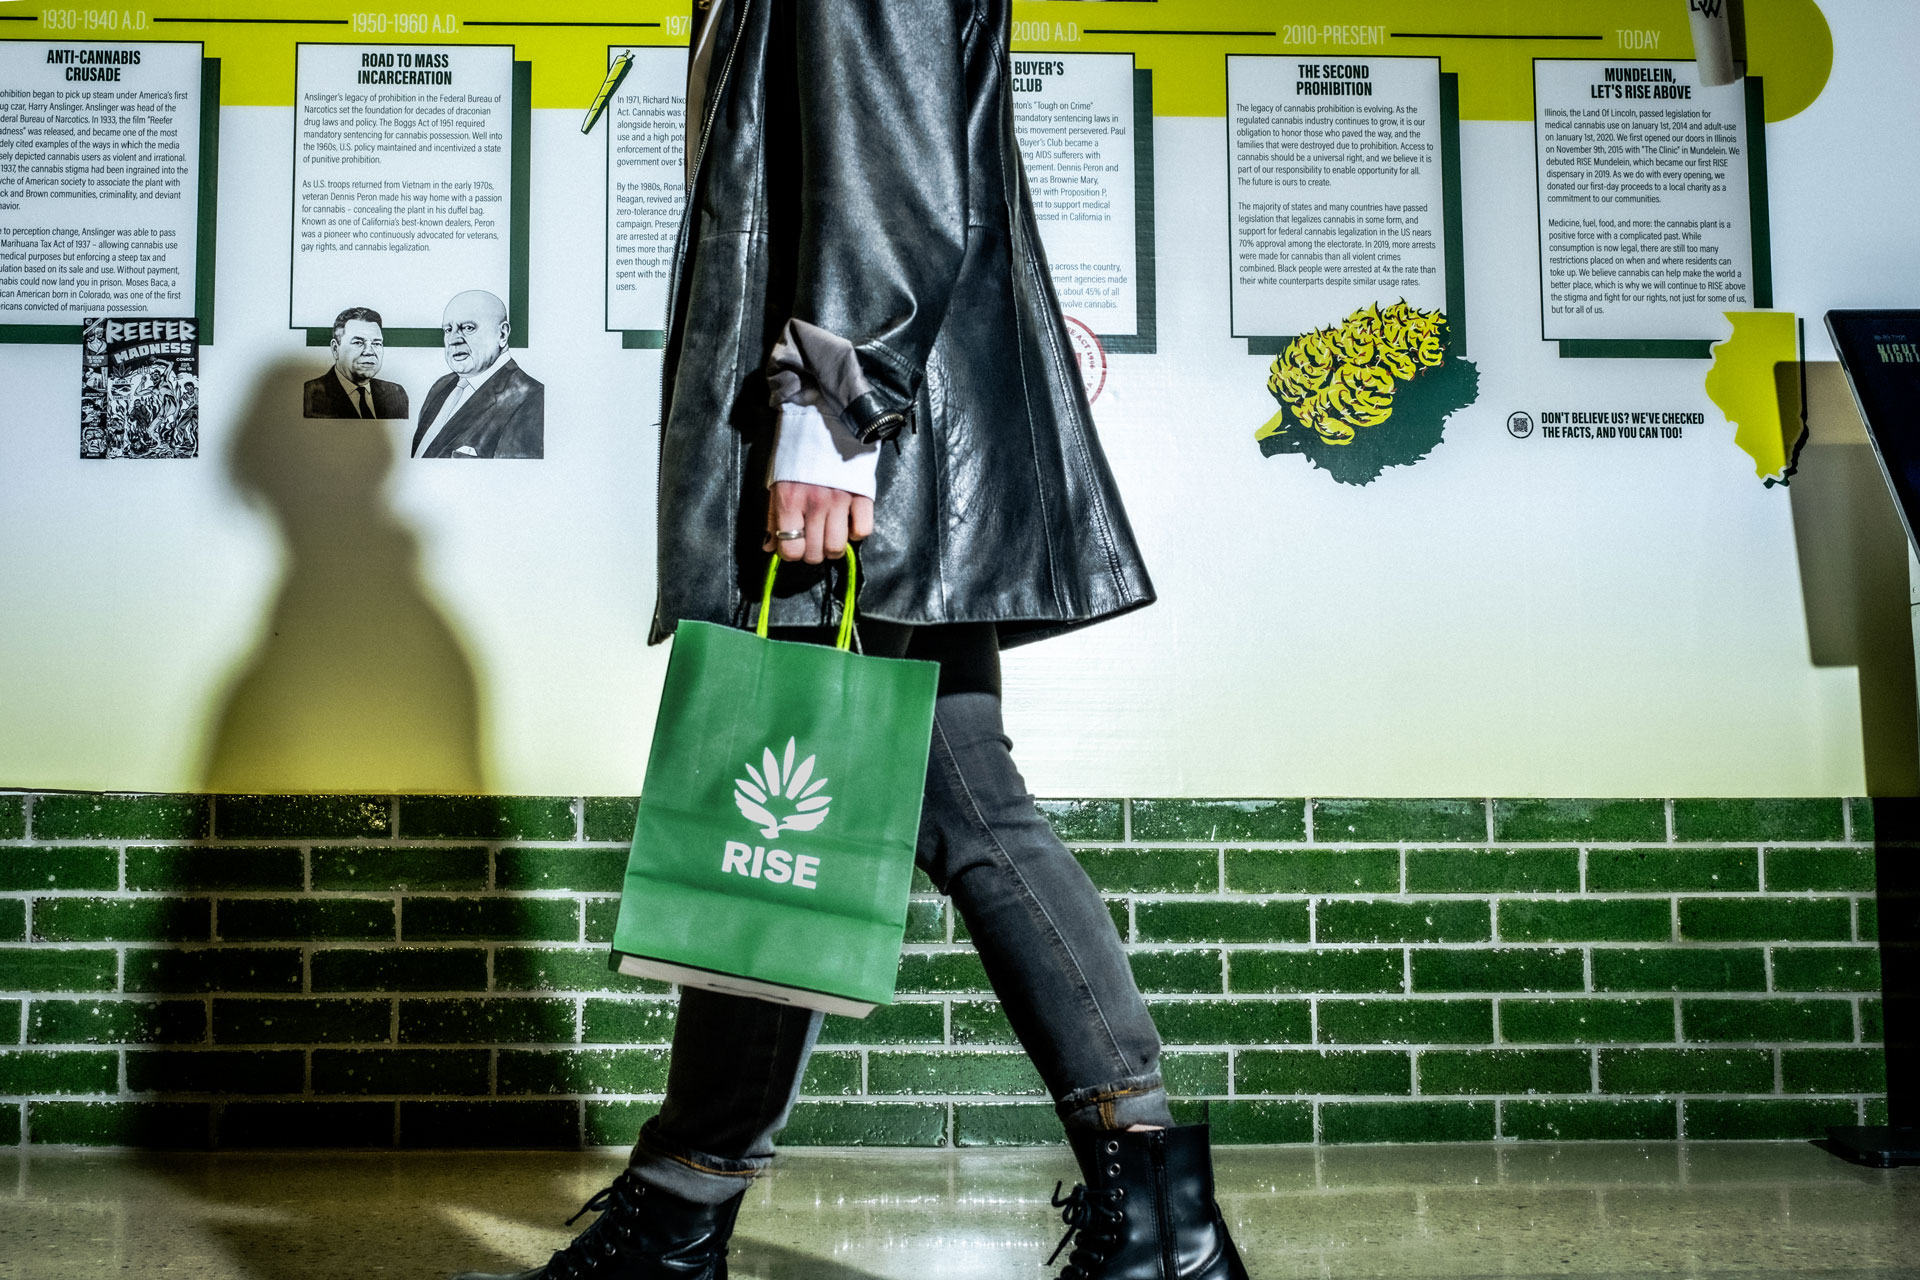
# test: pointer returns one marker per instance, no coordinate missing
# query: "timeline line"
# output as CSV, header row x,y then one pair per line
x,y
1468,35
559,24
1150,31
273,22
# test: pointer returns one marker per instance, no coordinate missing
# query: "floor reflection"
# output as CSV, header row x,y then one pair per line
x,y
1600,1210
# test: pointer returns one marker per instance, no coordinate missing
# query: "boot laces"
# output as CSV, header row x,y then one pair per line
x,y
601,1242
1095,1218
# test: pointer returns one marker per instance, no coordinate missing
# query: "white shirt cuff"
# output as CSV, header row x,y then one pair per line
x,y
812,448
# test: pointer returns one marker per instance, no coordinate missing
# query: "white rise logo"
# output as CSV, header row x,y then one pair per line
x,y
776,866
778,784
783,780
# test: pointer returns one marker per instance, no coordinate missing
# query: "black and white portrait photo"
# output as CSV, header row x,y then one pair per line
x,y
352,387
485,406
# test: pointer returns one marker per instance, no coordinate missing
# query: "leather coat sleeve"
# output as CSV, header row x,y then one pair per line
x,y
883,199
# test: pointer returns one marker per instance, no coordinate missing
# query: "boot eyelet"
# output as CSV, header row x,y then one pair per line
x,y
1119,1193
1113,1148
1113,1171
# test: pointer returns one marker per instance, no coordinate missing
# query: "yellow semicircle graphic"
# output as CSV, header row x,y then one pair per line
x,y
1790,46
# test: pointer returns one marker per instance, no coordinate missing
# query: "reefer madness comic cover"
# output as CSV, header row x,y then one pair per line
x,y
140,390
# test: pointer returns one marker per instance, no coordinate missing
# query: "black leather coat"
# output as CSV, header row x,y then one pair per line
x,y
857,172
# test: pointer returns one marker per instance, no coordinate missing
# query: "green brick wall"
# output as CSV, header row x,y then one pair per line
x,y
349,971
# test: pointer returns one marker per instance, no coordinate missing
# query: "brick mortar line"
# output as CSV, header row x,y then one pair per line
x,y
1151,946
1257,896
1442,845
1169,998
493,847
1192,946
966,997
385,844
1212,897
991,1049
1489,833
1149,895
1037,1099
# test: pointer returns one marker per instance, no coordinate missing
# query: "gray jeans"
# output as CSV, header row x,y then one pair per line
x,y
1045,937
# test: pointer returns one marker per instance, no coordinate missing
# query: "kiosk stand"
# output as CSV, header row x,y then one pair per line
x,y
1880,352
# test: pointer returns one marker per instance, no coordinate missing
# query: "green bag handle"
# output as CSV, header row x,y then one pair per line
x,y
845,638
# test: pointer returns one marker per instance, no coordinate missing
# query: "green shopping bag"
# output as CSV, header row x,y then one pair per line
x,y
775,840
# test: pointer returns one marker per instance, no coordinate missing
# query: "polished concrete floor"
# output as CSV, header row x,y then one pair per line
x,y
1592,1210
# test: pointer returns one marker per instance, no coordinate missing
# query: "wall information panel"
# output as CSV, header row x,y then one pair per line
x,y
1399,549
646,186
1646,211
1337,188
100,165
402,172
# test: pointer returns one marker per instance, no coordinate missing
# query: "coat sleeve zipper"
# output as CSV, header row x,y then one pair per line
x,y
673,283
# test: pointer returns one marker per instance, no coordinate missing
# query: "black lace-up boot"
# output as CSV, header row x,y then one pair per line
x,y
1146,1210
641,1234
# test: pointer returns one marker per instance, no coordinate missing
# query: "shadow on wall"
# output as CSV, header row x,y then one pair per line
x,y
1853,574
358,682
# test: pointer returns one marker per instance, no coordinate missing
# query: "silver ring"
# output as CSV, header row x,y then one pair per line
x,y
789,535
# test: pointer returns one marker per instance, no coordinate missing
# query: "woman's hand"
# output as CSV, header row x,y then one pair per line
x,y
826,519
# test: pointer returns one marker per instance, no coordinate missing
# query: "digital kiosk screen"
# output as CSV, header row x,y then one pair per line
x,y
1880,351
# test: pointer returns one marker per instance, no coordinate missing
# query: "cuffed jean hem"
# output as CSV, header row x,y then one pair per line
x,y
691,1175
1119,1105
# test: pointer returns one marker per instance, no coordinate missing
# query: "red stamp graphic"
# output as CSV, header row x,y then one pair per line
x,y
1090,356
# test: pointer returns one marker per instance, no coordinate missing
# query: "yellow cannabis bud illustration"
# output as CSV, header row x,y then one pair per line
x,y
1339,380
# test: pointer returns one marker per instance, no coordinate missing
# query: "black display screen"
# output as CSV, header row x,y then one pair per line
x,y
1880,351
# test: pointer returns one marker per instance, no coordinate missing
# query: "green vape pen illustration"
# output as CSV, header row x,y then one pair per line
x,y
615,74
